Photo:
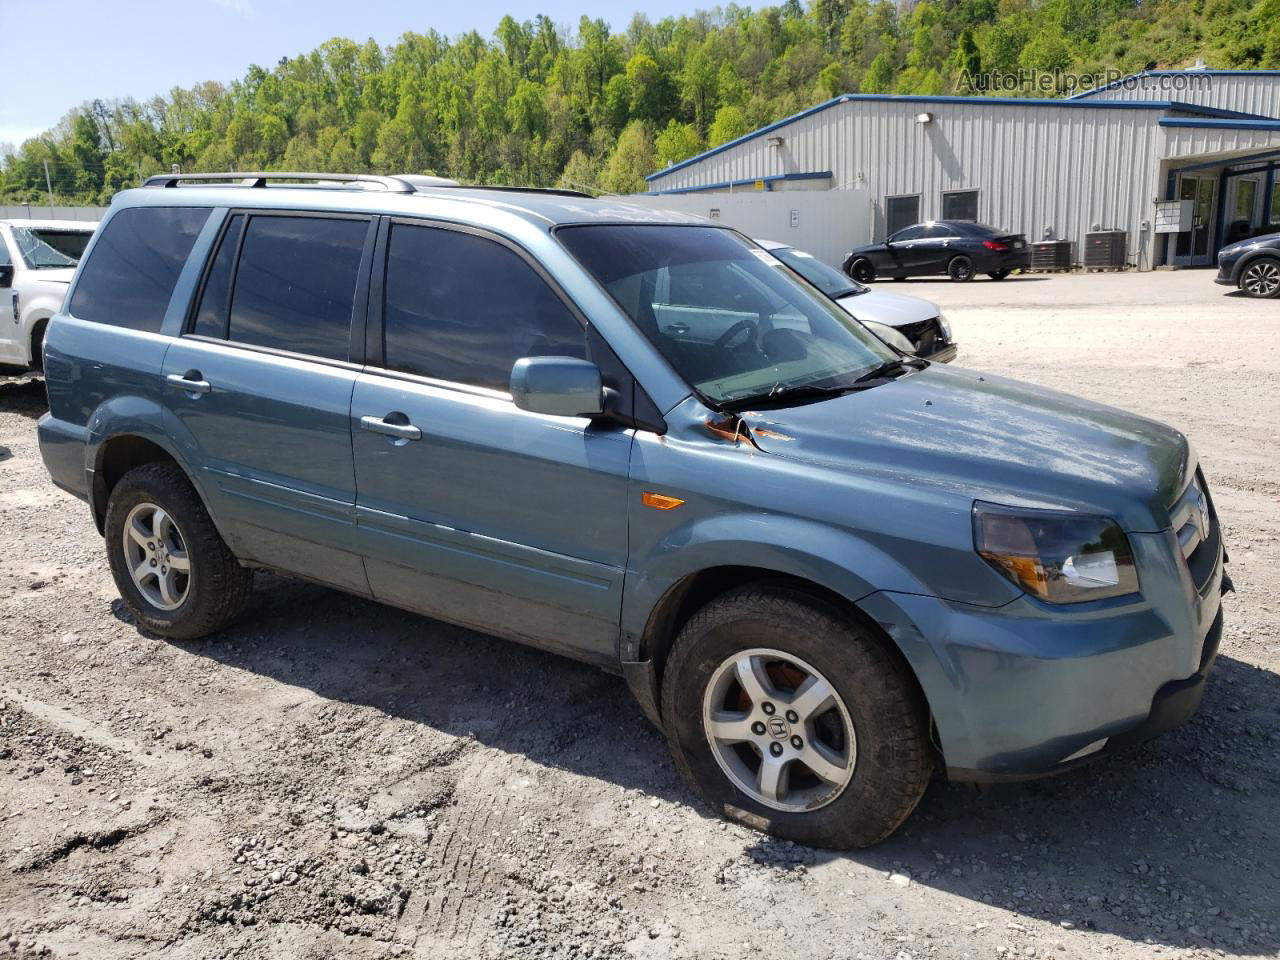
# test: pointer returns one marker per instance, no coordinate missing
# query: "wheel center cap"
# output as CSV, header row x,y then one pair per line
x,y
778,728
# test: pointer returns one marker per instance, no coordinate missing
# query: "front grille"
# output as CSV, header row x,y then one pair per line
x,y
924,334
1199,533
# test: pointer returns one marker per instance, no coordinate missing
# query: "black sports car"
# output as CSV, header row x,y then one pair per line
x,y
959,248
1252,265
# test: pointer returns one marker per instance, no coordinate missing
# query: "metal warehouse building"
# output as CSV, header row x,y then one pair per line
x,y
1181,162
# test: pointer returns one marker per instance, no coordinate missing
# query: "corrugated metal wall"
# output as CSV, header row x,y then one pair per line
x,y
1040,169
1259,93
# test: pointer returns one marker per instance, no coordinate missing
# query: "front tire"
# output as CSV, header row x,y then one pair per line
x,y
862,270
787,714
1261,279
170,564
960,268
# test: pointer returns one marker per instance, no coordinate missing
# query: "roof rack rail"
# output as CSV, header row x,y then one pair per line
x,y
389,184
548,191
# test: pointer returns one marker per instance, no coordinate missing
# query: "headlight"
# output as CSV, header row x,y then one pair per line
x,y
944,325
1057,557
891,336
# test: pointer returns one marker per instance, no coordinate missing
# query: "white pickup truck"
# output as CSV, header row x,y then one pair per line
x,y
37,259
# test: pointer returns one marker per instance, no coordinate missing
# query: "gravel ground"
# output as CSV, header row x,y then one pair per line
x,y
335,778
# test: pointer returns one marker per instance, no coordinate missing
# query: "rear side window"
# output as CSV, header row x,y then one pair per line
x,y
295,284
135,264
211,315
464,309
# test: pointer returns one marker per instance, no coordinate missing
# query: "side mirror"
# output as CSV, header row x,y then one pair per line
x,y
559,386
6,275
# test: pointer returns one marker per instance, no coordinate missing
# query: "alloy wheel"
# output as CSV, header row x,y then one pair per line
x,y
779,730
156,555
1262,279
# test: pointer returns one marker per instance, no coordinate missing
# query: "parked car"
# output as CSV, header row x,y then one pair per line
x,y
959,248
37,260
909,324
821,567
1252,265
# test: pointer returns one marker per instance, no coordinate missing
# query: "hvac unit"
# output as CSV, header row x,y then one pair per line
x,y
1105,250
1049,256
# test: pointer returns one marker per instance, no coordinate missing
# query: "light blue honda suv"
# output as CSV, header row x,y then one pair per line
x,y
823,567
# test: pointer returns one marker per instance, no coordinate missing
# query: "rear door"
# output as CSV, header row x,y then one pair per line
x,y
262,382
470,509
930,252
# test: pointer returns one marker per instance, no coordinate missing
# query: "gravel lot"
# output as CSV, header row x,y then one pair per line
x,y
336,778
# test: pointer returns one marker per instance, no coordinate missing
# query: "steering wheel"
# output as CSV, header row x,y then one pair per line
x,y
726,338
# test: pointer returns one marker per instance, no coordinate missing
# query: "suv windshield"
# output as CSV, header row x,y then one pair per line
x,y
724,313
38,254
827,279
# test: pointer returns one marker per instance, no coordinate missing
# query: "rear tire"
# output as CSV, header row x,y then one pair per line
x,y
862,270
37,345
999,274
960,268
156,524
788,638
1260,278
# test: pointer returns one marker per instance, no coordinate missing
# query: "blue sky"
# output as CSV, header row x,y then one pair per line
x,y
57,55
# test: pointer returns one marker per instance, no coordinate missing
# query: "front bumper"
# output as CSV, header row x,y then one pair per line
x,y
1226,274
1027,690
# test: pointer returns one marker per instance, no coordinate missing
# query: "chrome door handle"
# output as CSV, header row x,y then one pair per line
x,y
188,385
401,431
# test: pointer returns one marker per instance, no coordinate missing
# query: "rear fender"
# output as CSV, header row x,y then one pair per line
x,y
130,415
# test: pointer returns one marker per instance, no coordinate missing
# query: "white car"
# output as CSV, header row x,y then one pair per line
x,y
37,261
911,324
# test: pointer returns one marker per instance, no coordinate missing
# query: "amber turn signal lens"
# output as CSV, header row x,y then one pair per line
x,y
660,501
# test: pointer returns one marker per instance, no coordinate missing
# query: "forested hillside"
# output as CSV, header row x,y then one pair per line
x,y
590,107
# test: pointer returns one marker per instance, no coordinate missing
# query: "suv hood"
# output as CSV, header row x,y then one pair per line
x,y
892,309
989,438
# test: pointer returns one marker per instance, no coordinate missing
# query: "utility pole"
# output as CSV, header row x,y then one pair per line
x,y
48,183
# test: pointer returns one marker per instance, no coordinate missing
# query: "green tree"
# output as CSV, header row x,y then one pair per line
x,y
632,158
729,124
679,141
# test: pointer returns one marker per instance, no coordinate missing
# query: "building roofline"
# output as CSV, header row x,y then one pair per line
x,y
1223,123
1085,94
728,184
962,101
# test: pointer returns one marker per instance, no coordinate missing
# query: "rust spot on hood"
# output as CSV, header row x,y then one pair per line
x,y
771,434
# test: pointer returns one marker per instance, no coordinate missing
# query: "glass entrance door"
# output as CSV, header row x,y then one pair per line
x,y
1193,246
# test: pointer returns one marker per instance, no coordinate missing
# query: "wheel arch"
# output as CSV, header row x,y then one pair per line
x,y
695,590
1249,259
116,454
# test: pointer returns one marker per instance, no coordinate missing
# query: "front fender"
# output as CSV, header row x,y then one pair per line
x,y
827,556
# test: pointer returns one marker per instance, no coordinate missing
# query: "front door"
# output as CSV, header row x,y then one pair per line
x,y
1194,247
262,385
470,509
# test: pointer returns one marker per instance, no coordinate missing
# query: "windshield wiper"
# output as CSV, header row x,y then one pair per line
x,y
890,367
783,396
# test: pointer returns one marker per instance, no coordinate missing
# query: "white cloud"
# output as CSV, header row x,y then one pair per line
x,y
17,133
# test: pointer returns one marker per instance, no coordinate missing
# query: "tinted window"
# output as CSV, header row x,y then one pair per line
x,y
129,278
960,205
211,316
5,260
911,233
465,309
900,212
295,284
